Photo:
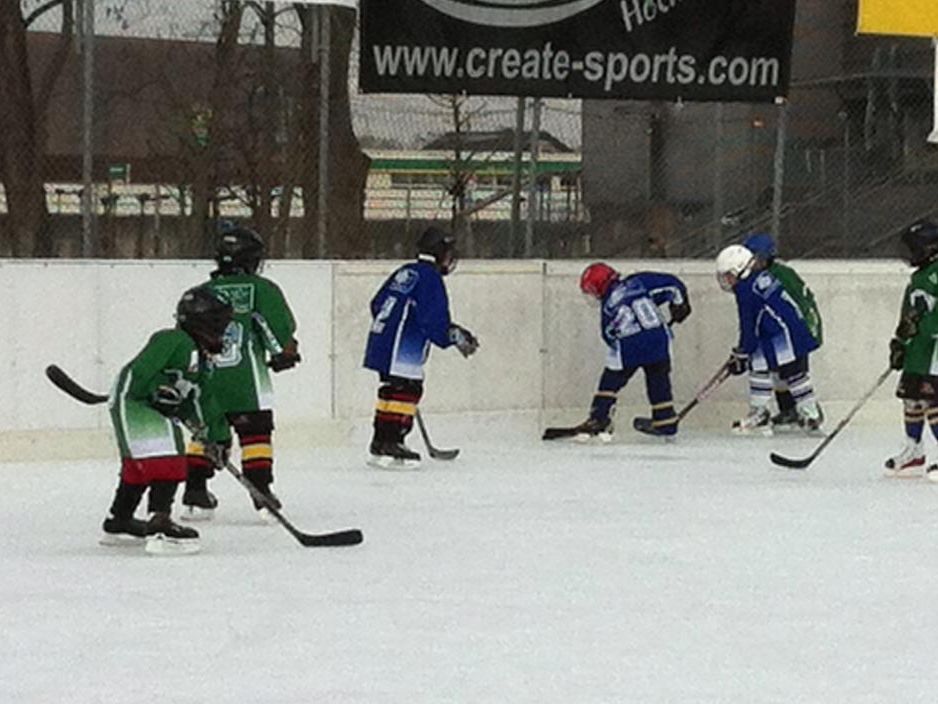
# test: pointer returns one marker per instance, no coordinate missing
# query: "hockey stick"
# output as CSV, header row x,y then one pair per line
x,y
435,452
336,539
65,383
803,463
644,425
556,433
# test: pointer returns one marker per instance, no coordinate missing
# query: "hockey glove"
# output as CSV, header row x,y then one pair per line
x,y
679,311
738,362
167,399
464,340
287,359
908,326
896,353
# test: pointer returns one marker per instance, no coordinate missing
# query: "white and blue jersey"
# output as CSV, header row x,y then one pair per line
x,y
772,330
410,311
632,326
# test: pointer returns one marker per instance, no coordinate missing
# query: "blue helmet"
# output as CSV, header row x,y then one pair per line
x,y
761,244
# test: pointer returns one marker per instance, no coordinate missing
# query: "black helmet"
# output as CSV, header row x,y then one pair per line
x,y
921,242
240,250
204,314
438,247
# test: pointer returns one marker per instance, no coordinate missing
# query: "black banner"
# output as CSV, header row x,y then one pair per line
x,y
728,50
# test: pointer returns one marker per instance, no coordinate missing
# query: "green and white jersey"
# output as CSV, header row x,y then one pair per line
x,y
795,287
263,325
170,357
921,355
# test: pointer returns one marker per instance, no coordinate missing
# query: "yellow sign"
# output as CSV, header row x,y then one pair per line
x,y
917,18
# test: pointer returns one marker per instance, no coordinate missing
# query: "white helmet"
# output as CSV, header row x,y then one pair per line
x,y
734,263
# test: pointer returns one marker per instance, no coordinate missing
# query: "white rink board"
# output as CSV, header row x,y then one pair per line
x,y
540,351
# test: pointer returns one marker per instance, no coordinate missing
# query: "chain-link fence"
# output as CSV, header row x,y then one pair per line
x,y
128,128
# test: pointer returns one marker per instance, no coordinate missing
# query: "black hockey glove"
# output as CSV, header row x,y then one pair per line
x,y
679,311
896,353
287,359
465,341
738,362
167,399
908,326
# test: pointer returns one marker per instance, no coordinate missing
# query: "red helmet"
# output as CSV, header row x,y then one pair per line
x,y
596,279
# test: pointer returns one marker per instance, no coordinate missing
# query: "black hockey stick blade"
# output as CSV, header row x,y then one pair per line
x,y
338,539
435,452
790,463
65,383
558,433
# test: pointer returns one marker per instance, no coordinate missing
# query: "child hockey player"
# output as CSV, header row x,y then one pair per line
x,y
260,337
638,336
913,349
762,247
774,339
409,312
162,385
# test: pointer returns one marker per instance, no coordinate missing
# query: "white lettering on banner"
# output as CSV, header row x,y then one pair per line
x,y
635,13
512,13
344,3
547,63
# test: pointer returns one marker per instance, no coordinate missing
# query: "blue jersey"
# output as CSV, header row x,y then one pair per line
x,y
632,326
410,311
770,321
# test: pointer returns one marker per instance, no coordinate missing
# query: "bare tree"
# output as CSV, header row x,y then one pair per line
x,y
348,165
24,101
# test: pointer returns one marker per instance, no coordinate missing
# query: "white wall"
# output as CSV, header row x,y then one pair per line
x,y
540,351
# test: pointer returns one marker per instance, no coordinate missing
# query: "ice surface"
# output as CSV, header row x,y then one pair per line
x,y
521,572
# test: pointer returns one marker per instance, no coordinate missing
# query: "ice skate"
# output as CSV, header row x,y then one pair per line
x,y
198,505
910,462
810,417
261,508
165,537
931,473
594,429
757,421
786,421
127,531
392,455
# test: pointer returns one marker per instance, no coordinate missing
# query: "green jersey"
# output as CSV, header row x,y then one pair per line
x,y
170,358
918,303
263,325
795,287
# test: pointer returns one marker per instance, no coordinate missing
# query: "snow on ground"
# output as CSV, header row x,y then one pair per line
x,y
521,572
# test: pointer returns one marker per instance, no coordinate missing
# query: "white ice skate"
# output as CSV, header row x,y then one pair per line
x,y
758,421
167,538
810,417
910,462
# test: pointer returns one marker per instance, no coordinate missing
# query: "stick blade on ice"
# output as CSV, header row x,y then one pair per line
x,y
783,461
341,538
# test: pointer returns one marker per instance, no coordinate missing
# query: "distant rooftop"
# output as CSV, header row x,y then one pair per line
x,y
496,141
